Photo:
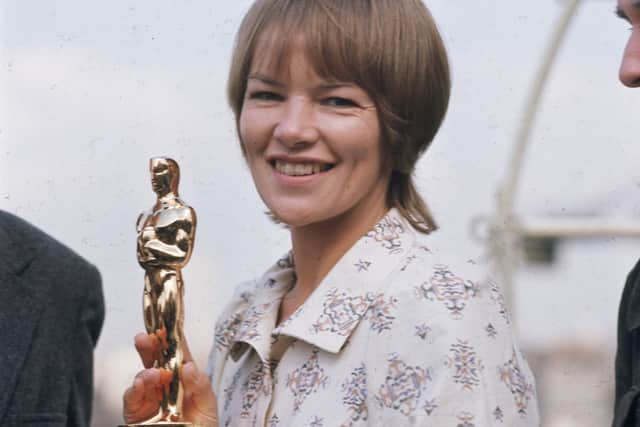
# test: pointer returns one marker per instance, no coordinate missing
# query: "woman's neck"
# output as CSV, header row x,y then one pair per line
x,y
318,247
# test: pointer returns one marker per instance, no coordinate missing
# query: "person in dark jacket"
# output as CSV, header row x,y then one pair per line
x,y
51,314
628,354
627,409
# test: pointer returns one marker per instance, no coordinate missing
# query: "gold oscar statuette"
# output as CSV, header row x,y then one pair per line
x,y
166,236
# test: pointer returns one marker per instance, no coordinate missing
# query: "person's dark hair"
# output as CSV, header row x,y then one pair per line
x,y
390,48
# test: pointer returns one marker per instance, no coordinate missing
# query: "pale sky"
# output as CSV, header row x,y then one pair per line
x,y
89,91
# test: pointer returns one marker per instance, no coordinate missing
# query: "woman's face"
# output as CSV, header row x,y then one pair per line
x,y
313,146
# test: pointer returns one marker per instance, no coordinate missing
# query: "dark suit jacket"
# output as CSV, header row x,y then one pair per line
x,y
51,313
628,354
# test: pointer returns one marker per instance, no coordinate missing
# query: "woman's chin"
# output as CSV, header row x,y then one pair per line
x,y
293,218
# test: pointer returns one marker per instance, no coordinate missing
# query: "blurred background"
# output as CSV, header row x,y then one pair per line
x,y
89,91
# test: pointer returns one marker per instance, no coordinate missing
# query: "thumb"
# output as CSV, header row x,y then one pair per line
x,y
200,401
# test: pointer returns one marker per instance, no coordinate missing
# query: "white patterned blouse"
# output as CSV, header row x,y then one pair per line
x,y
397,334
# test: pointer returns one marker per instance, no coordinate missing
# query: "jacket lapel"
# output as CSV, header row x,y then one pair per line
x,y
19,312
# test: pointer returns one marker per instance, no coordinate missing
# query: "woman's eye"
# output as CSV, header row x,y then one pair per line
x,y
335,101
265,96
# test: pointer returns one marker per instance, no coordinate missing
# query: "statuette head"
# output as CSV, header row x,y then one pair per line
x,y
165,176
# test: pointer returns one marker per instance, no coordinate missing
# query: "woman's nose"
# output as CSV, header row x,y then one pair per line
x,y
296,127
630,67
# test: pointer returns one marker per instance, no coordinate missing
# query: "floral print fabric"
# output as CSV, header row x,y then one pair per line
x,y
399,333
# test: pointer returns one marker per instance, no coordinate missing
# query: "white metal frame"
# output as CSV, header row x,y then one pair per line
x,y
507,229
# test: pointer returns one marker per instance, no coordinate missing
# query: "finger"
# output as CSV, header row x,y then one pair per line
x,y
153,384
147,346
166,376
160,336
133,397
141,400
202,406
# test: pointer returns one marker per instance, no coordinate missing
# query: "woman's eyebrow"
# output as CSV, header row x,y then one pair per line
x,y
322,86
334,85
266,79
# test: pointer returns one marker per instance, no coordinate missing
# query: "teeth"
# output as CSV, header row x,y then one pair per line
x,y
300,169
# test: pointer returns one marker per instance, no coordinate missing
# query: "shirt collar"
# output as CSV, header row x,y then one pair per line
x,y
333,311
253,326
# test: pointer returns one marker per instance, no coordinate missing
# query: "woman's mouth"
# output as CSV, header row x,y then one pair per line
x,y
300,169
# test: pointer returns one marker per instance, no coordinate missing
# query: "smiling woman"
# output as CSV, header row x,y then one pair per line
x,y
313,146
335,101
389,50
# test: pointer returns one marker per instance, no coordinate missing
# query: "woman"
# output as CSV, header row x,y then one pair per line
x,y
366,321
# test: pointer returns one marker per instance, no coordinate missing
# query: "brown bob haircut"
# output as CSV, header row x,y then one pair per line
x,y
390,48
